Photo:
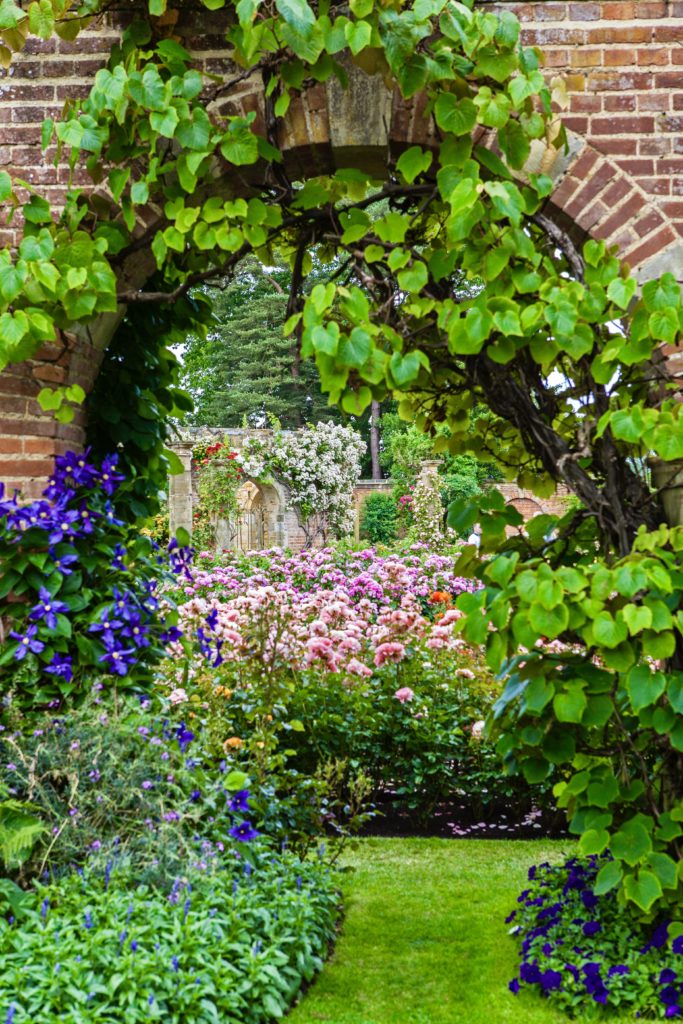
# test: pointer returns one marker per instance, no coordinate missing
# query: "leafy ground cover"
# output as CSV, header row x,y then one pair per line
x,y
424,939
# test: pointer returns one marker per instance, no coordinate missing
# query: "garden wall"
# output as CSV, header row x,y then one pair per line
x,y
622,179
277,525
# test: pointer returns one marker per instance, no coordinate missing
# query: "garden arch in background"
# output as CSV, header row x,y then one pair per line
x,y
621,179
263,516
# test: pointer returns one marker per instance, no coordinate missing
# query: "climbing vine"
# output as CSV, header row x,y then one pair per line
x,y
449,289
220,476
319,466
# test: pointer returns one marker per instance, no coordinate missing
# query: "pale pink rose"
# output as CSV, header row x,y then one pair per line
x,y
389,652
404,694
358,668
464,673
452,615
178,696
478,730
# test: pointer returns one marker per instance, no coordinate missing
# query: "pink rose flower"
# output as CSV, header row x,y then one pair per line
x,y
392,651
404,694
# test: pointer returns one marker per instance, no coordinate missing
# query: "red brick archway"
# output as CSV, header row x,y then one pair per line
x,y
622,181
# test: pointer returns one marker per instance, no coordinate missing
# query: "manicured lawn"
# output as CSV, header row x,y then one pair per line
x,y
424,940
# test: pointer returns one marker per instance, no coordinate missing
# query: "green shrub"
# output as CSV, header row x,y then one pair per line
x,y
421,750
378,519
224,944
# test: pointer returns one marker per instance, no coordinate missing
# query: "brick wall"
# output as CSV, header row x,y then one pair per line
x,y
622,61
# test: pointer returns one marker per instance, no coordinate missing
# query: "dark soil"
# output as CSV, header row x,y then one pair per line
x,y
459,820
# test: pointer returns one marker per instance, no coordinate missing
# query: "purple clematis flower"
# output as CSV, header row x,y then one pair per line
x,y
62,562
48,609
106,626
118,660
61,665
184,737
171,635
27,642
240,802
244,832
109,478
110,515
64,525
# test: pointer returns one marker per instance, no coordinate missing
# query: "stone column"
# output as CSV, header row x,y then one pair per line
x,y
180,490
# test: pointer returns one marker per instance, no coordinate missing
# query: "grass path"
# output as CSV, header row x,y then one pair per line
x,y
424,941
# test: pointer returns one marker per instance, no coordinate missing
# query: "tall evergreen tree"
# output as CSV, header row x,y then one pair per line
x,y
245,370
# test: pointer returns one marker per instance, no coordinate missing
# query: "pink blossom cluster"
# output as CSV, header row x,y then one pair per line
x,y
381,579
306,611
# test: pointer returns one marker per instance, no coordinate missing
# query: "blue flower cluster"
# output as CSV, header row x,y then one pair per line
x,y
578,947
79,587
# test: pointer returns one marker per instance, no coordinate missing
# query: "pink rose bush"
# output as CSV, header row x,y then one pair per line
x,y
307,612
343,669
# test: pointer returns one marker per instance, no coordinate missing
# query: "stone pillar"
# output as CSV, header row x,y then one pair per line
x,y
180,491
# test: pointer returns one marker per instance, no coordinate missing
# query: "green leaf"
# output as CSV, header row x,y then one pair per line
x,y
413,278
5,186
549,622
570,706
326,339
607,631
507,199
644,686
661,294
664,325
631,843
139,192
665,868
164,123
621,291
413,162
643,889
637,617
594,842
608,878
356,402
494,109
404,368
358,35
457,116
41,18
392,227
148,89
195,132
355,349
236,780
297,13
239,146
37,247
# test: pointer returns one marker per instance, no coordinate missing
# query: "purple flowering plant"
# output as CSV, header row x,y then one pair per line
x,y
131,781
78,587
588,953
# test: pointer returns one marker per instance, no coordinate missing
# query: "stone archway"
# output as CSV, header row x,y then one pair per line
x,y
263,519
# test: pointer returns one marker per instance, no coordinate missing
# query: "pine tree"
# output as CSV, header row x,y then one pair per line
x,y
245,370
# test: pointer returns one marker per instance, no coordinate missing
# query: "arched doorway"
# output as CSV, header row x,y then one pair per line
x,y
250,524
